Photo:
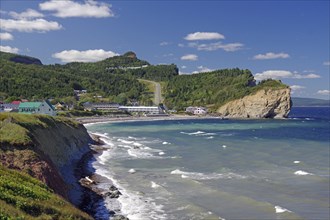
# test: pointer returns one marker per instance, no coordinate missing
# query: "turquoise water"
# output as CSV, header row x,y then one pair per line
x,y
218,169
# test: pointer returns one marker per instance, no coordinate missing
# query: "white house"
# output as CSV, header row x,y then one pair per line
x,y
197,110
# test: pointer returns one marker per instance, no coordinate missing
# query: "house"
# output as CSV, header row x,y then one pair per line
x,y
37,108
9,107
196,110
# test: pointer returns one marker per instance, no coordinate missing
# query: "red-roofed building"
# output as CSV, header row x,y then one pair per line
x,y
16,102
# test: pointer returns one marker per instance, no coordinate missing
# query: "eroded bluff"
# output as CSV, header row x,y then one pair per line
x,y
266,103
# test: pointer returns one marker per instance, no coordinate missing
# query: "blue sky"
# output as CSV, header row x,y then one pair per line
x,y
287,40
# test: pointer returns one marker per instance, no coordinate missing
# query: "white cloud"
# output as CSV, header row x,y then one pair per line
x,y
180,45
324,92
326,63
271,55
191,57
297,87
39,25
231,47
183,67
283,74
202,69
204,36
9,49
89,8
6,36
28,14
83,56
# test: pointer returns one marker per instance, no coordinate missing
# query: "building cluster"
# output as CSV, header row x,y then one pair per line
x,y
147,110
26,107
45,107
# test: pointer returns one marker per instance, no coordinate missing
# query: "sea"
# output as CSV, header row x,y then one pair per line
x,y
218,169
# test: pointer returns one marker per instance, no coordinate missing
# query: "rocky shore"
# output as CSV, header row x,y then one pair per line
x,y
94,196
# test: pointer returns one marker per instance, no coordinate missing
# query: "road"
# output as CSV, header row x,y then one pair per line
x,y
157,93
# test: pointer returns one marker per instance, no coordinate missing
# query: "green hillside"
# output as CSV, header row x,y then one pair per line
x,y
116,79
213,88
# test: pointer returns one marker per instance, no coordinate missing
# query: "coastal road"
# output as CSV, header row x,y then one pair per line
x,y
157,91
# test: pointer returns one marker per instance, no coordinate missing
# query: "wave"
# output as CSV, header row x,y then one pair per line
x,y
210,176
302,173
198,133
279,209
155,185
133,204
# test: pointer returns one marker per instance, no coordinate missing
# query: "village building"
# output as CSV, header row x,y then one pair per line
x,y
37,108
196,110
142,109
101,106
8,107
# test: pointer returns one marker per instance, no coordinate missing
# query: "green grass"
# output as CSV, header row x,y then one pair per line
x,y
23,197
14,127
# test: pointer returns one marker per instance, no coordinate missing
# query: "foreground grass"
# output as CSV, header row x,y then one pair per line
x,y
14,127
23,197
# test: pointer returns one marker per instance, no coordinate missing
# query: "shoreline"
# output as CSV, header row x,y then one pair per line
x,y
93,198
92,120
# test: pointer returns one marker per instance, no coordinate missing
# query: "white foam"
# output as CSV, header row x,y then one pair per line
x,y
107,141
100,134
125,141
193,133
161,153
208,176
138,153
104,157
302,173
211,137
137,144
279,209
132,204
224,146
296,161
154,185
132,171
165,143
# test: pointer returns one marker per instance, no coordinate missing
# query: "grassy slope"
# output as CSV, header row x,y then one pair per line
x,y
21,196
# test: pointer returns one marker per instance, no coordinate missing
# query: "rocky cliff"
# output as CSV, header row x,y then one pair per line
x,y
47,148
64,145
265,103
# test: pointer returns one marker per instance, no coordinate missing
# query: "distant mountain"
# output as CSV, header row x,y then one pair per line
x,y
20,58
309,102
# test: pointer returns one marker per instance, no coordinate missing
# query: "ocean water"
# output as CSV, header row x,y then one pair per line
x,y
219,169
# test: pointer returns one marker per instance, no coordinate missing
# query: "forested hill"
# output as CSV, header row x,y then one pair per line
x,y
116,80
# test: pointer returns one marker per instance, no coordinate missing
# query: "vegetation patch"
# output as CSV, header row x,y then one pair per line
x,y
23,197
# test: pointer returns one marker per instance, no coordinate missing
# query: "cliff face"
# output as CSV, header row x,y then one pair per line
x,y
64,145
266,103
47,148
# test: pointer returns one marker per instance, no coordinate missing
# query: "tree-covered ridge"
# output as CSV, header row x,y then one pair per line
x,y
213,89
57,81
19,58
117,80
